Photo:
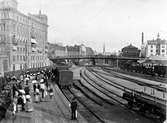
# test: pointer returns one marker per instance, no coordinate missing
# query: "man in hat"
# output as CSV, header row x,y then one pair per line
x,y
74,106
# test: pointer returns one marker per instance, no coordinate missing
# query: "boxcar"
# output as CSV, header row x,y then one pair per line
x,y
65,78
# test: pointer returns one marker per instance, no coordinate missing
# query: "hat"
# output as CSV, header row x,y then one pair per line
x,y
42,80
28,96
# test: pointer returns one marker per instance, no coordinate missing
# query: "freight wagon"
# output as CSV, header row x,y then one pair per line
x,y
64,78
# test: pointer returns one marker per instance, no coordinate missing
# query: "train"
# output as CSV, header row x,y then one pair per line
x,y
146,104
62,76
149,69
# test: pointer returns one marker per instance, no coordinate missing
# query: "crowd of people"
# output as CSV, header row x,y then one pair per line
x,y
32,88
29,88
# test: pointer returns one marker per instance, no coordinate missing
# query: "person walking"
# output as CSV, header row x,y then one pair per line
x,y
74,106
20,103
50,92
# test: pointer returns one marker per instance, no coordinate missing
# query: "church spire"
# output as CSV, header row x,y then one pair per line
x,y
104,49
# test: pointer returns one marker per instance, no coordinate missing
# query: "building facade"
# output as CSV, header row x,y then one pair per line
x,y
89,51
4,61
24,36
130,51
73,51
156,47
56,50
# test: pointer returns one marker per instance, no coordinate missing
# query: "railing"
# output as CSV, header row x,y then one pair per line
x,y
93,57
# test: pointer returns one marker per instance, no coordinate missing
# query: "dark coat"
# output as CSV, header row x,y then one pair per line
x,y
74,105
20,101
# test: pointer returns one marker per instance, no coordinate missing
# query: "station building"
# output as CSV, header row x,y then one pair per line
x,y
130,51
24,37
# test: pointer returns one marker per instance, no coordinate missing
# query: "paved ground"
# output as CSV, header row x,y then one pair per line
x,y
48,111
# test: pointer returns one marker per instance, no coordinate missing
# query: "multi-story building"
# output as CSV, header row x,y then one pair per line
x,y
89,51
56,50
4,61
24,36
156,47
73,50
82,50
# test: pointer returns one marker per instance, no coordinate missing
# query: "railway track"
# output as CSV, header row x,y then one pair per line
x,y
124,88
97,118
111,73
110,94
62,105
88,93
146,96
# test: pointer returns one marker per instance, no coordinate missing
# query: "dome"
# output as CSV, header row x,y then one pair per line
x,y
8,4
130,47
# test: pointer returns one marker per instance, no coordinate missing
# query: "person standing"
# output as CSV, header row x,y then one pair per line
x,y
74,106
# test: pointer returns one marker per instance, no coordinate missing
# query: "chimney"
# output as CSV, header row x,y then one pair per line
x,y
142,38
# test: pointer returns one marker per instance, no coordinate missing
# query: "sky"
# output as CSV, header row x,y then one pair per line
x,y
115,23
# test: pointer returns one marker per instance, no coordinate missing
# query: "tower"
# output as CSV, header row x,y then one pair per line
x,y
104,49
158,36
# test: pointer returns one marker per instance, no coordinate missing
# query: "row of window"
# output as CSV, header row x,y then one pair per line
x,y
20,49
37,65
33,58
24,58
21,67
4,14
24,66
19,58
158,50
162,46
157,54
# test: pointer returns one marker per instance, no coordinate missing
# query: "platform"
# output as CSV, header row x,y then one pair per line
x,y
49,111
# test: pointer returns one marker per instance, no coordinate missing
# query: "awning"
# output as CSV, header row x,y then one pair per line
x,y
33,41
14,48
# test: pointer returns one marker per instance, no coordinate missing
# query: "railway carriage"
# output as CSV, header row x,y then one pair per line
x,y
145,103
149,68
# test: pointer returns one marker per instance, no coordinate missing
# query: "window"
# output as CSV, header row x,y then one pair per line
x,y
151,46
5,65
20,58
163,51
13,67
24,58
151,51
163,46
13,58
17,57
